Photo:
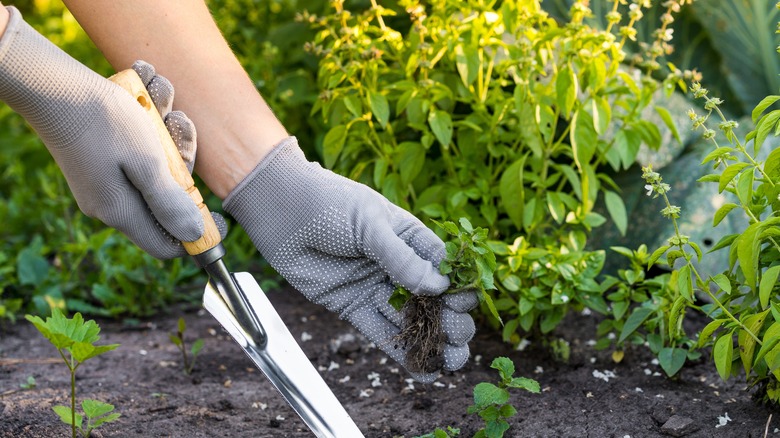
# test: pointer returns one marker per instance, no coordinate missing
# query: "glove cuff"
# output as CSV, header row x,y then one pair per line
x,y
270,196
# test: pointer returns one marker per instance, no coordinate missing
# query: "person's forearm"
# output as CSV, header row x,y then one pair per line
x,y
3,18
236,129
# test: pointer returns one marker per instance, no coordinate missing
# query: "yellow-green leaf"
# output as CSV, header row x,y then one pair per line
x,y
768,281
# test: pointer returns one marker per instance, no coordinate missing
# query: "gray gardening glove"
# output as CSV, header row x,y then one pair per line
x,y
104,142
344,246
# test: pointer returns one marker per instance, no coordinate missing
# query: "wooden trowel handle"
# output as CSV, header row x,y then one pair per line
x,y
129,80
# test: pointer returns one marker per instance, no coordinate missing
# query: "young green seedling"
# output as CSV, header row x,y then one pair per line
x,y
77,338
491,402
29,384
470,263
178,340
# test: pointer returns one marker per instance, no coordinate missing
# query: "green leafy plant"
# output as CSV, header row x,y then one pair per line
x,y
518,121
30,383
75,340
491,401
451,432
469,262
178,340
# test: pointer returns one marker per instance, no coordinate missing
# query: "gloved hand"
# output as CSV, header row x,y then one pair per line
x,y
344,246
104,142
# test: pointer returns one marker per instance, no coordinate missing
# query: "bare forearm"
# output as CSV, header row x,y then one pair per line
x,y
179,37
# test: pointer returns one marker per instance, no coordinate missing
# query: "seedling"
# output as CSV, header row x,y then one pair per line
x,y
178,340
77,338
470,263
491,402
451,432
29,384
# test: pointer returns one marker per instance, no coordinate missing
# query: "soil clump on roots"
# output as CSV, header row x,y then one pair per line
x,y
422,335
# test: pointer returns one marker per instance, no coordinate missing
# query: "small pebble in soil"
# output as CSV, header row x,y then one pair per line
x,y
344,379
273,422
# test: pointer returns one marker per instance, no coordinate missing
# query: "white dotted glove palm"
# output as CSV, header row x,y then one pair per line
x,y
104,142
345,246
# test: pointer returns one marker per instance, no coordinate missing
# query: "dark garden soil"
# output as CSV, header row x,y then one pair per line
x,y
590,396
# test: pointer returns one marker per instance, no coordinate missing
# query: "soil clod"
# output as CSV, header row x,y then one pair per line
x,y
422,335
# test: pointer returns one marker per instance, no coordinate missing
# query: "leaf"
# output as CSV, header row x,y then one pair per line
x,y
667,119
66,415
181,325
441,125
196,347
583,139
505,367
762,106
684,283
467,63
765,125
530,385
770,341
32,269
566,90
672,360
176,340
723,283
511,190
723,353
634,321
705,335
466,225
411,160
107,419
399,297
656,255
556,206
379,107
728,174
768,281
486,394
617,210
496,429
333,144
602,114
722,212
747,343
95,408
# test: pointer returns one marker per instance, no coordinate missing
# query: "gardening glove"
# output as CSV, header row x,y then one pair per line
x,y
345,246
104,142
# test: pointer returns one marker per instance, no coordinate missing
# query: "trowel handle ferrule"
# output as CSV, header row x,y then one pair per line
x,y
129,80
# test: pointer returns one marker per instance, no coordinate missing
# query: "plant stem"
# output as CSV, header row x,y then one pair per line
x,y
73,401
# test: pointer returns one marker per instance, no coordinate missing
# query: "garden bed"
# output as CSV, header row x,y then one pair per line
x,y
590,396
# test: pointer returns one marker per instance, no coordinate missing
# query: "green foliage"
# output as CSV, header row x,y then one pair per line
x,y
30,383
517,120
178,340
744,307
77,338
451,432
491,401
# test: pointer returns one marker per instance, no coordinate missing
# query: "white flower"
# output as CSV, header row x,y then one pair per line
x,y
649,189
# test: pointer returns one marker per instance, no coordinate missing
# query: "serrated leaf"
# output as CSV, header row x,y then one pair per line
x,y
95,408
505,367
529,385
399,297
486,394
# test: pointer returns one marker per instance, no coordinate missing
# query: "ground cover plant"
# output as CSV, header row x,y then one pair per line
x,y
75,341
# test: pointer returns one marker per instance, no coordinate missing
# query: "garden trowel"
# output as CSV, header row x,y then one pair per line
x,y
241,307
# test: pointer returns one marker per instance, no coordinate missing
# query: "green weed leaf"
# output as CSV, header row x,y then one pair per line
x,y
505,367
672,360
333,144
617,210
762,106
529,385
722,212
66,415
486,394
379,107
95,408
